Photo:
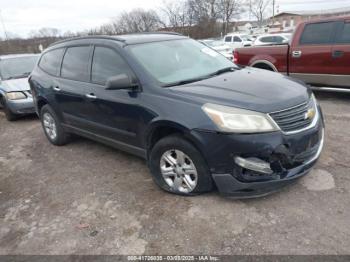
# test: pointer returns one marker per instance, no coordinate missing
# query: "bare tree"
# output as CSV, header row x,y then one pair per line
x,y
175,13
229,9
259,9
45,32
137,20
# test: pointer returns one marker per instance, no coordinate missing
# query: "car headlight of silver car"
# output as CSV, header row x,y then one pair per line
x,y
236,120
15,95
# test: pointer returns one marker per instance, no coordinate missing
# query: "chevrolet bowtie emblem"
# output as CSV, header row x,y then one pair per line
x,y
310,114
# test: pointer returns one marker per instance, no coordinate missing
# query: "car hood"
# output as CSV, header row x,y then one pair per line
x,y
247,88
11,85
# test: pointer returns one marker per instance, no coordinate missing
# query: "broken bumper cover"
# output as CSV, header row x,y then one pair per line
x,y
289,156
231,186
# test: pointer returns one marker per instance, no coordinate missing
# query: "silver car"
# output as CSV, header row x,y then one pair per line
x,y
15,95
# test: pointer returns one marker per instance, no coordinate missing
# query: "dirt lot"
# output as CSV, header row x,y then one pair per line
x,y
86,198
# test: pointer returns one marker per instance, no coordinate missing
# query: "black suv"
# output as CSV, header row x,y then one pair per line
x,y
198,119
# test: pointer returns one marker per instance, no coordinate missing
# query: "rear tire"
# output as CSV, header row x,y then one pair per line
x,y
52,127
8,113
178,167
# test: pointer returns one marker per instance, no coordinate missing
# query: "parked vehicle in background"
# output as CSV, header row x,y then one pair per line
x,y
238,40
318,53
194,115
15,95
272,39
220,47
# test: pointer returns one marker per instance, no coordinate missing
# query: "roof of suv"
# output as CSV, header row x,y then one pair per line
x,y
131,39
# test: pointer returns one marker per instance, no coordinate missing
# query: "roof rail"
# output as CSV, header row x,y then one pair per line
x,y
162,32
88,37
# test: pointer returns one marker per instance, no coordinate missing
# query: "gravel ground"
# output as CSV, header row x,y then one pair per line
x,y
86,198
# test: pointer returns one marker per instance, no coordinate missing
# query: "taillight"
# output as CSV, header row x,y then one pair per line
x,y
235,57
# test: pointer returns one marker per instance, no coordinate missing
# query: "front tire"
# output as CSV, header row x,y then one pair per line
x,y
53,129
178,167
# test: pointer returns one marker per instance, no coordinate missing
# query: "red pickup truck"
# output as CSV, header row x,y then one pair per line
x,y
318,54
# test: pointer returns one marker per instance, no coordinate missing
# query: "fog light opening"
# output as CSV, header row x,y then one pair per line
x,y
254,164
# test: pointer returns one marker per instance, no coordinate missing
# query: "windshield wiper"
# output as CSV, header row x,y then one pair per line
x,y
223,70
25,74
184,82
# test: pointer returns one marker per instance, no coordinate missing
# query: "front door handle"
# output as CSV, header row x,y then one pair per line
x,y
56,88
337,54
91,96
296,54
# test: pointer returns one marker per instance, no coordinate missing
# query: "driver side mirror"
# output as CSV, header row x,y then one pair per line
x,y
122,81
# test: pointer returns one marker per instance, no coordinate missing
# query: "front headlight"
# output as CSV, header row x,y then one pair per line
x,y
15,95
236,120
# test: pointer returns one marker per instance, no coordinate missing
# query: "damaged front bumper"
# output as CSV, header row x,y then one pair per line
x,y
252,165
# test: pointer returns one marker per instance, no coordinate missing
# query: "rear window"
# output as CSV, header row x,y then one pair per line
x,y
50,62
76,63
344,35
319,33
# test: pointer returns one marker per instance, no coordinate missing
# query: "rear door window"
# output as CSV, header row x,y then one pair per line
x,y
237,39
50,62
343,36
319,33
107,63
75,65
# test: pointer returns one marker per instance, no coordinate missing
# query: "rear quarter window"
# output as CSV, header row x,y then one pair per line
x,y
50,61
319,33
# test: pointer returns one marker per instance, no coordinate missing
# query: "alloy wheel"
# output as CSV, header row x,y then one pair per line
x,y
178,171
50,126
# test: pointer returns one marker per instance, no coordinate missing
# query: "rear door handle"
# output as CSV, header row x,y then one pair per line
x,y
91,96
296,54
56,88
337,54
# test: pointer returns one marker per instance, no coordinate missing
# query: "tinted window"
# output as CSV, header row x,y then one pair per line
x,y
228,39
75,63
51,61
320,33
344,36
237,39
107,63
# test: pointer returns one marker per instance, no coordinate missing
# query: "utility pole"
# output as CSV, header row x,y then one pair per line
x,y
273,11
3,26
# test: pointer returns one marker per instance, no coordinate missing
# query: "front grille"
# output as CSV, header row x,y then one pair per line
x,y
294,119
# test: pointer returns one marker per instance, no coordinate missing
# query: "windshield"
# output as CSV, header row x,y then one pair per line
x,y
18,67
180,60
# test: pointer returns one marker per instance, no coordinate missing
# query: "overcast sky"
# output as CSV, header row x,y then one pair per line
x,y
22,16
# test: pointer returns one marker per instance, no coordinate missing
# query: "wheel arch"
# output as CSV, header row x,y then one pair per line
x,y
263,64
163,128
